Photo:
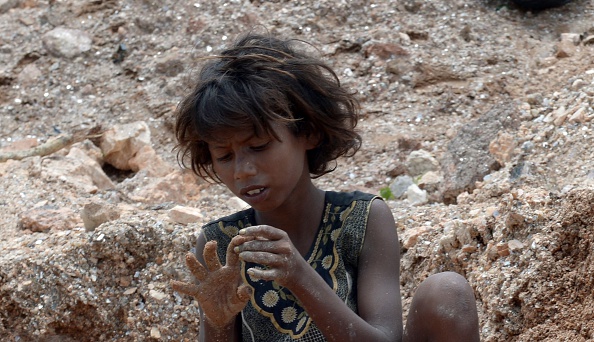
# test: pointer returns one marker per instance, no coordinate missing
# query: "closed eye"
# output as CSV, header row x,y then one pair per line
x,y
260,147
224,158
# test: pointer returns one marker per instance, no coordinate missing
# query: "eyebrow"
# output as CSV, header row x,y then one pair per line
x,y
217,144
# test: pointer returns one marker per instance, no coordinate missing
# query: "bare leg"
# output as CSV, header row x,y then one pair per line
x,y
443,309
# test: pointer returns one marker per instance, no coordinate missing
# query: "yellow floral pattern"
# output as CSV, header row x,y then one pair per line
x,y
274,313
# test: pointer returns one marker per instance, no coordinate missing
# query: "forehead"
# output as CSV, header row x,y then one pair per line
x,y
226,136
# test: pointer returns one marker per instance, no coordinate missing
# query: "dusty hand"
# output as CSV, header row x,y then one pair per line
x,y
219,292
273,248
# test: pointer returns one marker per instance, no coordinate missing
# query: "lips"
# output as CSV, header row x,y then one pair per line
x,y
252,191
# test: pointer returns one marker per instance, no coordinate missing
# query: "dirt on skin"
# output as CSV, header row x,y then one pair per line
x,y
431,76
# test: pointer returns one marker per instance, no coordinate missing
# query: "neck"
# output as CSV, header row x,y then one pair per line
x,y
300,217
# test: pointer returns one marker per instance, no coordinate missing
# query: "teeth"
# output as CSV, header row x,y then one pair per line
x,y
255,192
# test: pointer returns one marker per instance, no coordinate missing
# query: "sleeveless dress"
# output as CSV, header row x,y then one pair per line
x,y
274,314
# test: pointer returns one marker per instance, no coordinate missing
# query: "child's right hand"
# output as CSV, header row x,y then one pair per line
x,y
220,292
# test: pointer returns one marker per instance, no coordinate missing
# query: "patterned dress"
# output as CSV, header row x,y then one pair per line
x,y
274,314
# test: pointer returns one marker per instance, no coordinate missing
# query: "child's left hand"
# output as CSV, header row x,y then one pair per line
x,y
273,248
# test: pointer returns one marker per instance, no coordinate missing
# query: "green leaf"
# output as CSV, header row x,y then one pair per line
x,y
386,193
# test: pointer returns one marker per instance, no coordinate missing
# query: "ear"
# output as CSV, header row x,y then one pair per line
x,y
312,140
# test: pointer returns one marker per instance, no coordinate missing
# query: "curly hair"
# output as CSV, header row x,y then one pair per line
x,y
263,80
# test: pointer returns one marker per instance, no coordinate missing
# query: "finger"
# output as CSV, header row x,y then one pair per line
x,y
232,249
196,267
266,274
264,231
244,294
263,258
185,288
275,247
211,258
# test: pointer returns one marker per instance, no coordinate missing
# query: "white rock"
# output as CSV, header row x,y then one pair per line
x,y
63,42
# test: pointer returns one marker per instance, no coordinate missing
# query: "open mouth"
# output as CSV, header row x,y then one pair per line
x,y
254,192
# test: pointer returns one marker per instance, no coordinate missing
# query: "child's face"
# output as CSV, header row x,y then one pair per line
x,y
261,170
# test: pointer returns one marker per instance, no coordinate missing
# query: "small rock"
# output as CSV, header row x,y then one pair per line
x,y
514,220
430,181
155,333
419,162
578,84
68,43
170,65
44,219
29,75
121,143
515,245
565,49
400,185
573,38
158,295
502,147
185,215
96,213
416,196
503,249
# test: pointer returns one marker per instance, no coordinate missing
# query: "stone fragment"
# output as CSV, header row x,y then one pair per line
x,y
573,38
502,147
502,249
155,333
565,49
68,43
92,167
419,162
515,245
122,142
430,181
578,84
185,215
514,221
158,295
416,196
29,75
579,116
400,185
98,212
78,170
170,64
47,218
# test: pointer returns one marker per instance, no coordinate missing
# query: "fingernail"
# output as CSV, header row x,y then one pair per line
x,y
236,249
242,231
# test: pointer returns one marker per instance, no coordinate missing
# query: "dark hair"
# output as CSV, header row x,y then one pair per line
x,y
263,80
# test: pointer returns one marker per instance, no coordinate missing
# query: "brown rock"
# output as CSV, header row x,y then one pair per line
x,y
45,219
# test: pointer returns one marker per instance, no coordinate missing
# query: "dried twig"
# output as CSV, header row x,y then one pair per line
x,y
53,145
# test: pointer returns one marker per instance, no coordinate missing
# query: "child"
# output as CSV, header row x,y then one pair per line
x,y
301,263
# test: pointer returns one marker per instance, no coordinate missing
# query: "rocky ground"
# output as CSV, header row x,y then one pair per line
x,y
477,126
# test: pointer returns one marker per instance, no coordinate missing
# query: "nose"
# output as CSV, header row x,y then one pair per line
x,y
244,167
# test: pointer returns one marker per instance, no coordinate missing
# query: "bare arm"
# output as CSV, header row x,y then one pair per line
x,y
219,290
378,294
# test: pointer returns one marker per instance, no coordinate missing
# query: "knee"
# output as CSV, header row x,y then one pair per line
x,y
447,296
443,309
